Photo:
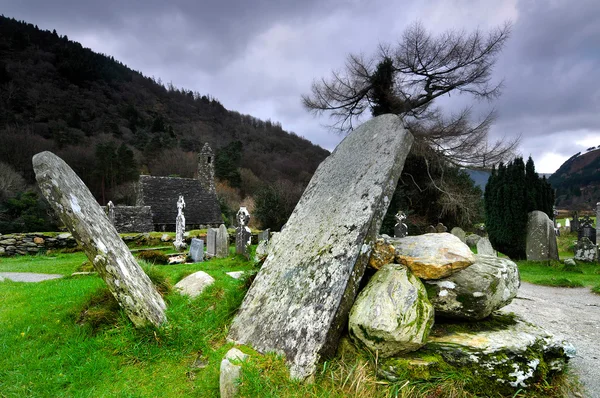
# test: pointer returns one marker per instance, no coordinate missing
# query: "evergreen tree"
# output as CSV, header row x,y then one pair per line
x,y
511,193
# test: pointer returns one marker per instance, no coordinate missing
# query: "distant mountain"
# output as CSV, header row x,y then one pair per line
x,y
479,177
111,123
577,181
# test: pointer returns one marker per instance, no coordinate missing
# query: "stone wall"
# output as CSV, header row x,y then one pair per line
x,y
31,243
132,218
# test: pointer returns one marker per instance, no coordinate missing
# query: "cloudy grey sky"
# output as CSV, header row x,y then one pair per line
x,y
258,56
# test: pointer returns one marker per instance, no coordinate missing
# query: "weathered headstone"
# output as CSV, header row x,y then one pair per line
x,y
299,302
484,247
586,229
568,225
242,232
197,250
83,216
586,250
459,233
264,235
400,229
222,242
541,240
211,242
111,212
179,242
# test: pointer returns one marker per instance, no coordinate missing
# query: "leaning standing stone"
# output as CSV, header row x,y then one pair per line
x,y
83,216
299,302
392,314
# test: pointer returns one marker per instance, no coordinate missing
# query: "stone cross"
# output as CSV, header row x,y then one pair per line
x,y
242,232
111,212
299,302
222,242
400,229
82,215
179,242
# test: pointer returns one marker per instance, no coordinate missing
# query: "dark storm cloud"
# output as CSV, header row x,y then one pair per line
x,y
258,57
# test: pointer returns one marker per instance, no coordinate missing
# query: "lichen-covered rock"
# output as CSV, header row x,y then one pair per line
x,y
586,250
382,253
392,314
541,239
193,285
484,246
489,284
508,357
82,215
433,256
459,233
299,302
229,374
471,240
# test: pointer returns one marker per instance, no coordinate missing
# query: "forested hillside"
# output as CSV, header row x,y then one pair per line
x,y
110,123
577,181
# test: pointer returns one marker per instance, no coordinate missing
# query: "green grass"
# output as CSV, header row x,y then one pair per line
x,y
559,275
66,338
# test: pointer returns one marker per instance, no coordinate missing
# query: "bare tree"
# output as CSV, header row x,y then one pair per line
x,y
407,78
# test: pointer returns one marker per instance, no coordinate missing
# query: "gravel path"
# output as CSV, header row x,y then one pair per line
x,y
571,313
27,276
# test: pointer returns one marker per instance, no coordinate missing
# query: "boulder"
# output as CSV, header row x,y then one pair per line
x,y
541,239
392,314
471,240
484,247
489,284
229,374
512,356
382,252
236,274
570,262
459,233
299,302
166,238
433,256
193,285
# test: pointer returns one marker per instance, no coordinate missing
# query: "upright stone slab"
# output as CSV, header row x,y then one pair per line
x,y
242,232
222,242
83,216
197,250
541,240
211,242
264,235
299,302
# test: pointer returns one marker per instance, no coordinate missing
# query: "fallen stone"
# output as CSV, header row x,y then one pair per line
x,y
392,314
471,240
433,256
484,247
177,259
193,285
570,262
28,276
83,216
510,357
459,233
382,253
84,273
541,240
229,374
236,274
299,302
166,238
474,293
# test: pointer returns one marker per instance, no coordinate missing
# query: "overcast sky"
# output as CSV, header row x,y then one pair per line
x,y
259,57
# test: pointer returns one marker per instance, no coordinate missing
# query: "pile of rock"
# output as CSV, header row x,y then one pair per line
x,y
436,276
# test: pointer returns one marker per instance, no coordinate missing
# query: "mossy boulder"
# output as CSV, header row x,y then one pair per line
x,y
433,256
508,355
477,291
392,314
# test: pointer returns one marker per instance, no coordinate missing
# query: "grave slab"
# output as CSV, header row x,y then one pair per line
x,y
299,302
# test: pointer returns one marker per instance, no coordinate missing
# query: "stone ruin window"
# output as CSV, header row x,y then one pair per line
x,y
209,160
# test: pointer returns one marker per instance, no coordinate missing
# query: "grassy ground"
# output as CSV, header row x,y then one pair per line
x,y
66,338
